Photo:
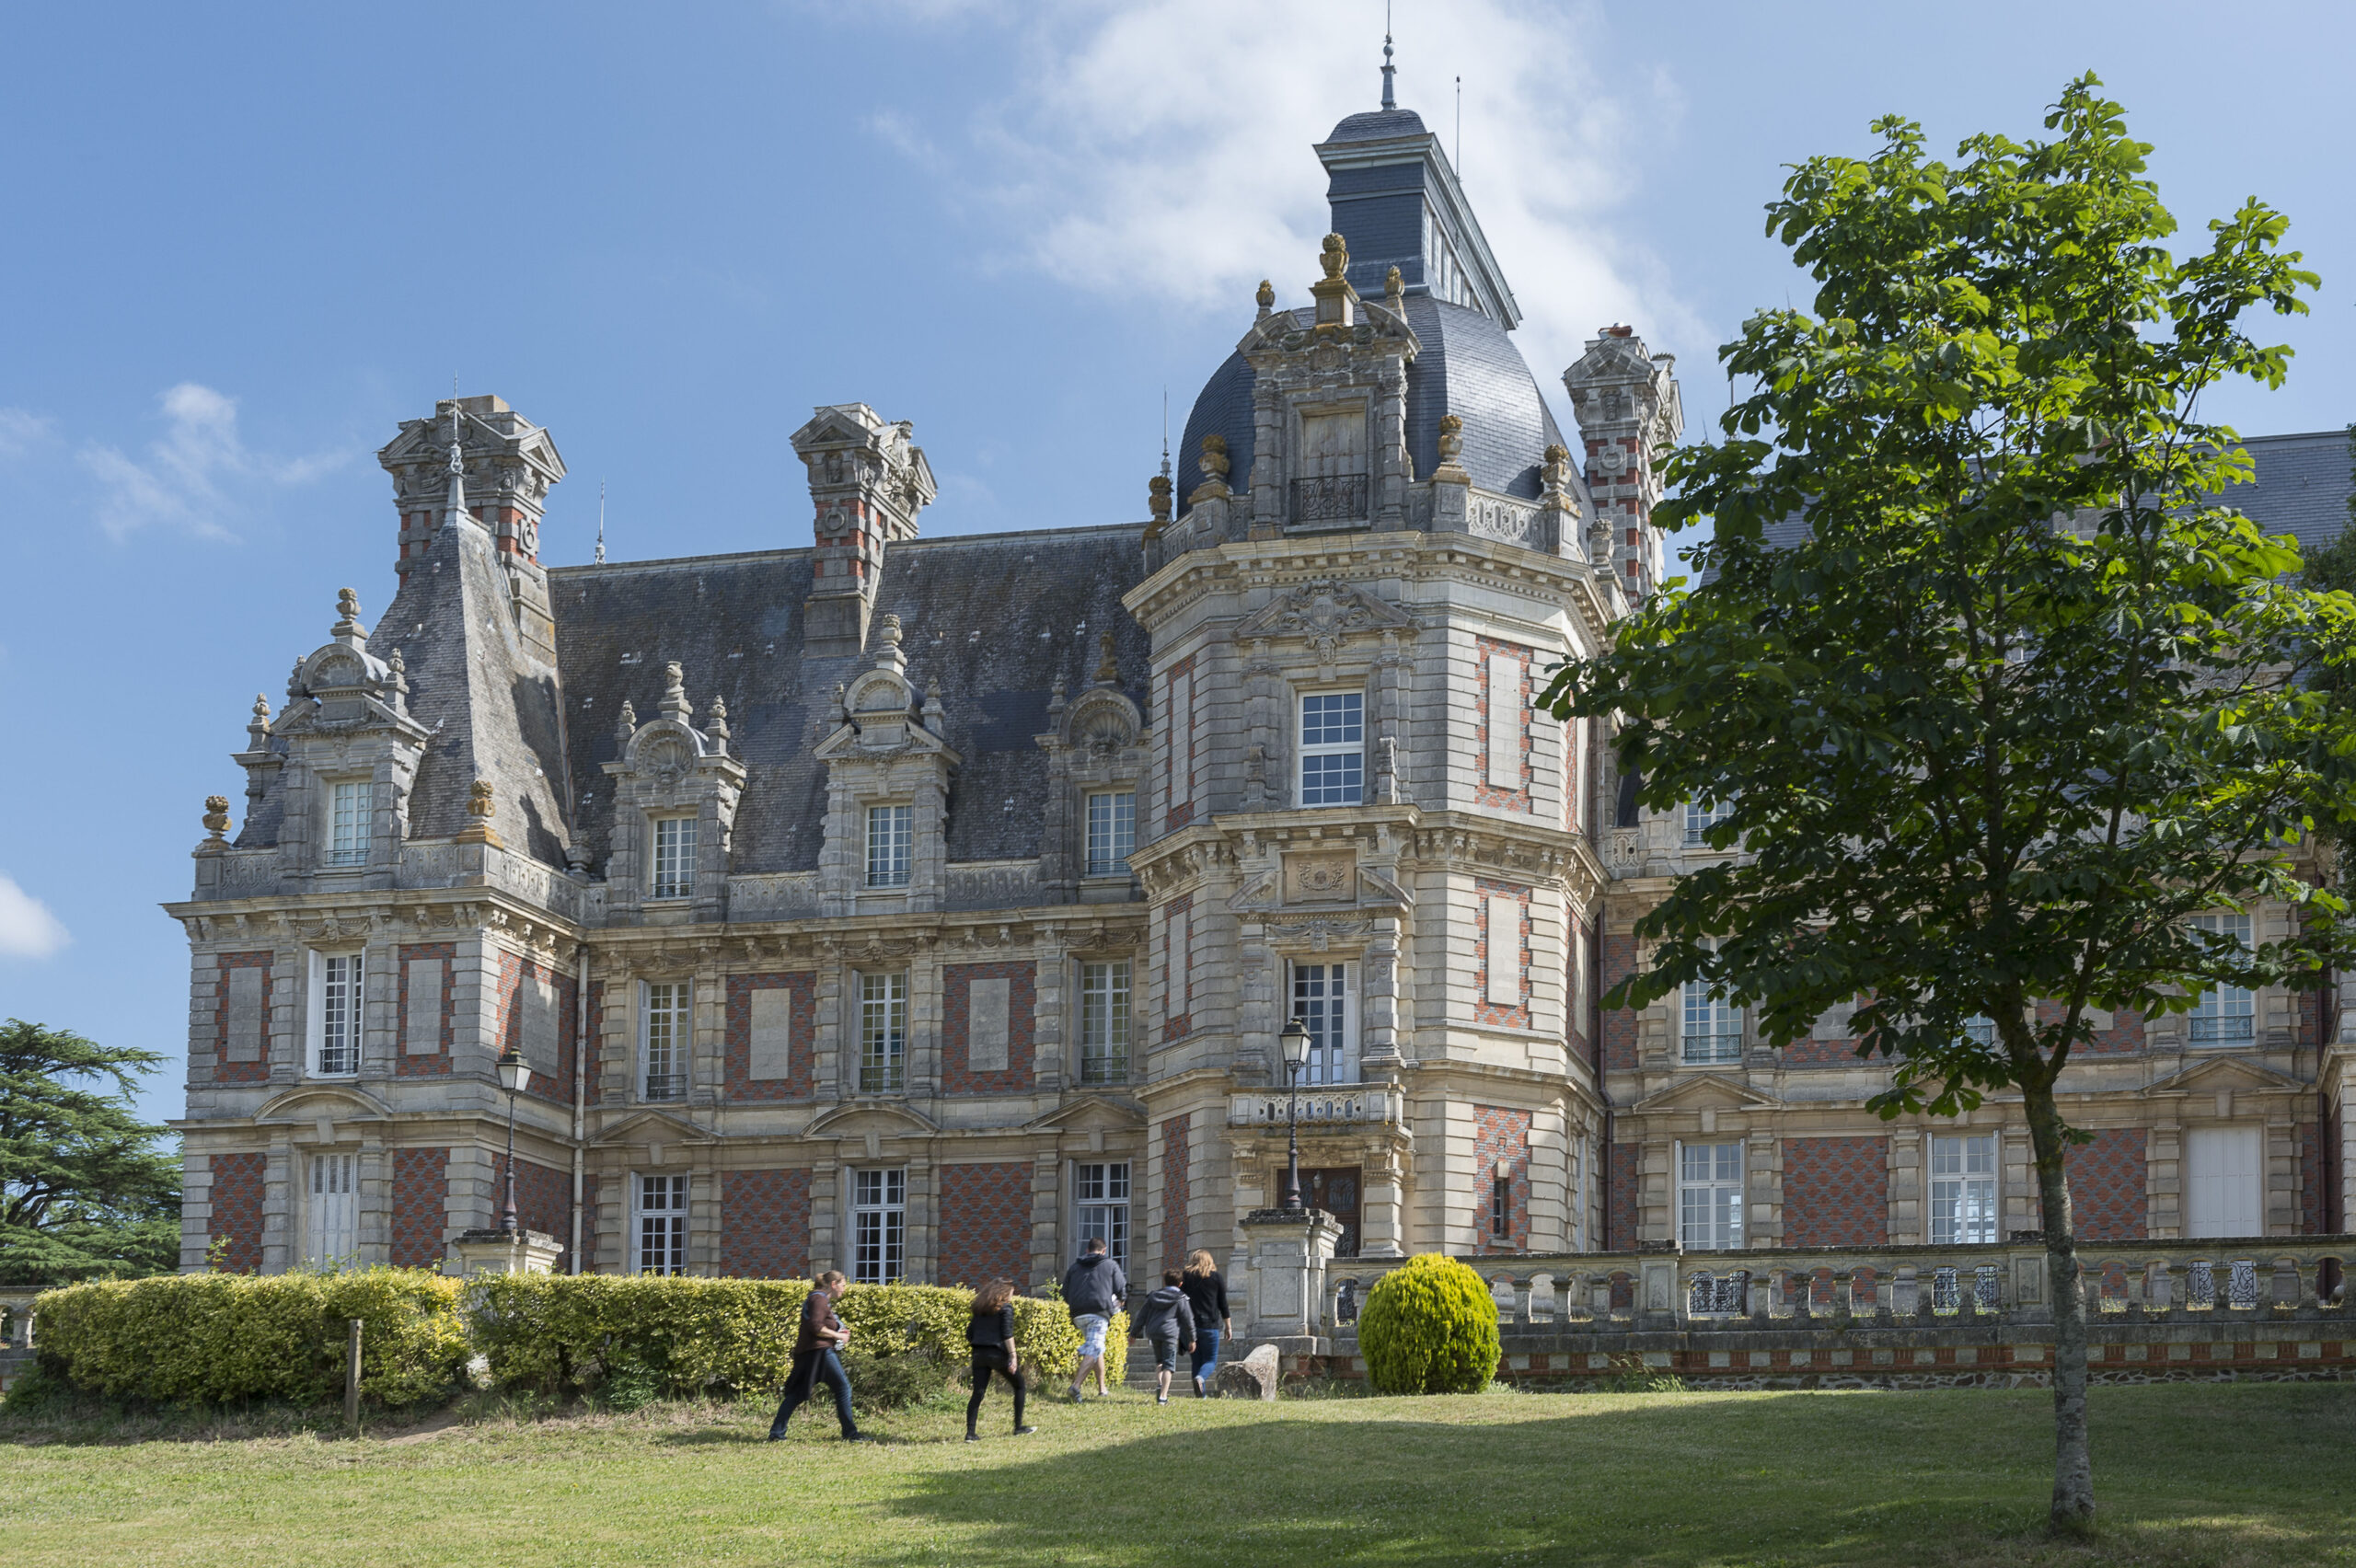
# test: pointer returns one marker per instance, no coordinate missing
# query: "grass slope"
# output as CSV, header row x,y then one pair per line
x,y
2257,1474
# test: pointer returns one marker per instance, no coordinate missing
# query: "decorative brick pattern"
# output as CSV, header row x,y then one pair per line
x,y
422,1065
1619,1212
507,1021
2124,1035
985,1224
1619,1045
1483,1009
236,1209
1836,1192
1177,1188
420,1193
2309,1147
764,1224
2106,1189
543,1202
1501,1144
957,1075
1510,708
596,1038
1178,968
801,1055
223,1070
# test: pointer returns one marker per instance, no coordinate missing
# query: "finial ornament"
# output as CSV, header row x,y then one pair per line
x,y
716,723
1214,461
1388,69
479,810
456,504
626,725
1158,497
479,802
1393,287
216,817
347,604
674,693
1266,297
1336,256
1451,436
1108,667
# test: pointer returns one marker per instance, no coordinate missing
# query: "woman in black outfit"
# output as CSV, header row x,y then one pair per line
x,y
1206,1294
991,1334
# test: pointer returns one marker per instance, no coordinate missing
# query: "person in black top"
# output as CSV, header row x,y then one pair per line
x,y
1206,1294
815,1361
991,1336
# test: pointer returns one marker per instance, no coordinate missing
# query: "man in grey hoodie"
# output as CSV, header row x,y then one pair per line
x,y
1168,1324
1094,1288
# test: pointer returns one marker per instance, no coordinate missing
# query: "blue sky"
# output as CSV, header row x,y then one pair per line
x,y
244,242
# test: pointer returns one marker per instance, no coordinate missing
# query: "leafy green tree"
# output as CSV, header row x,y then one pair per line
x,y
85,1191
2000,705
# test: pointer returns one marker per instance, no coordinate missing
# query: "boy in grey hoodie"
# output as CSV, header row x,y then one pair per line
x,y
1168,1321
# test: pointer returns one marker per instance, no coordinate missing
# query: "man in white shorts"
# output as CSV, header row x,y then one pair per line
x,y
1094,1288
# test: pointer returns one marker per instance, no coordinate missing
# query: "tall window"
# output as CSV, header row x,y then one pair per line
x,y
1709,1196
1112,832
1501,1204
666,1029
883,1031
336,981
1711,1028
674,857
661,1225
879,1220
1963,1191
348,823
1320,1000
1099,1195
2227,1015
332,1234
1104,1021
889,830
1980,1030
1700,819
1333,748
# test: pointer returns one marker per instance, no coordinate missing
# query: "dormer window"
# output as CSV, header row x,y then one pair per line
x,y
674,857
1112,832
890,834
348,823
1332,749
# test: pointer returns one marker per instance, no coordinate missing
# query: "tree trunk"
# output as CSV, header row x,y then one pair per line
x,y
2074,1480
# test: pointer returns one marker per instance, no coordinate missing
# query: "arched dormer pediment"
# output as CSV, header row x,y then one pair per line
x,y
309,1101
1091,1112
1102,721
665,750
652,1126
887,1119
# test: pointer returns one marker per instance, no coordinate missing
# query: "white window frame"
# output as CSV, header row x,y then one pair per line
x,y
1709,1200
659,1226
1107,1009
667,1036
671,858
1351,752
1709,1029
1111,831
331,1214
891,845
1963,1189
883,1031
338,1008
879,1226
2225,1015
1101,1194
350,821
1700,819
1324,998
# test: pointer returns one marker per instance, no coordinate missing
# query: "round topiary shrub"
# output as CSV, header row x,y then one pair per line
x,y
1429,1327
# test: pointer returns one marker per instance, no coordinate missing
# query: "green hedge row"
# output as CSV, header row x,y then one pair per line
x,y
212,1339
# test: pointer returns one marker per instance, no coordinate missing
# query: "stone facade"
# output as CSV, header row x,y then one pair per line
x,y
922,907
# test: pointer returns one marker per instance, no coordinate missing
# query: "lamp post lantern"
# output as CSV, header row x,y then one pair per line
x,y
1294,1042
513,1072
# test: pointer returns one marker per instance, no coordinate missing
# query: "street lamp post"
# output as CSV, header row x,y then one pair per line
x,y
1294,1042
513,1072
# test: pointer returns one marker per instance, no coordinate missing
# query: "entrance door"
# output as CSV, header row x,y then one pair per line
x,y
1336,1191
2224,1179
334,1210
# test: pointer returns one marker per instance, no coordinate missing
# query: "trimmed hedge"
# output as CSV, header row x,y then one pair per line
x,y
216,1339
1429,1327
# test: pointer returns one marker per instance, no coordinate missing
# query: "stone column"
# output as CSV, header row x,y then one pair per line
x,y
496,1252
1289,1251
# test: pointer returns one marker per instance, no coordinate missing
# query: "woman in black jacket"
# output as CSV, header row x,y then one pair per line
x,y
991,1336
1206,1294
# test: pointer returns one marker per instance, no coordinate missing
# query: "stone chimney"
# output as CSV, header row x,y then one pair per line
x,y
507,466
1626,401
868,482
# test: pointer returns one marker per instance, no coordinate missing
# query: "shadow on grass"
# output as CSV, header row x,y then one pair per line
x,y
2229,1476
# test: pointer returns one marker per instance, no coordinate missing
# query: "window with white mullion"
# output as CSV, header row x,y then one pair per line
x,y
883,1031
338,991
1321,1000
1711,1027
879,1226
1333,748
674,857
1701,817
1100,1192
332,1227
890,839
1112,832
1963,1191
661,1225
667,1031
348,823
2225,1015
1709,1196
1104,1022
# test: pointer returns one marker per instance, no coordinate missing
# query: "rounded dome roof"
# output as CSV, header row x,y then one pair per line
x,y
1467,366
1377,124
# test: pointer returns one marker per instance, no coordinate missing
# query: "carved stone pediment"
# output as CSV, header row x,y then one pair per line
x,y
1324,614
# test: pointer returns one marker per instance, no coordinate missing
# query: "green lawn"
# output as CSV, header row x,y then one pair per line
x,y
2263,1474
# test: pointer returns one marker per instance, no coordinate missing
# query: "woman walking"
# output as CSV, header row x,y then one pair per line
x,y
991,1336
815,1361
1207,1295
1168,1323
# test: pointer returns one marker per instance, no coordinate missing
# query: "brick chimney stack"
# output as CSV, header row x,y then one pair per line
x,y
1626,401
868,483
508,464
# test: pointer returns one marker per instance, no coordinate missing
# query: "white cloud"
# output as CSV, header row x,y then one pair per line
x,y
1161,150
26,928
21,429
197,475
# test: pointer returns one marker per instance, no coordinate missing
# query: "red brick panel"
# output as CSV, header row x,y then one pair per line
x,y
1836,1192
2309,1144
223,1070
984,1223
543,1202
764,1224
801,1052
424,1063
1619,1023
596,1035
2106,1185
2125,1033
420,1214
1619,1212
236,1207
1501,1142
957,1075
507,1020
1483,1009
1510,708
1177,1158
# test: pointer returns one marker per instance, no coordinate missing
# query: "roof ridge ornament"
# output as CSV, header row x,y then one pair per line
x,y
1388,69
454,507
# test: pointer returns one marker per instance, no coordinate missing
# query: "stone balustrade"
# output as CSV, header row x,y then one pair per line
x,y
1367,1105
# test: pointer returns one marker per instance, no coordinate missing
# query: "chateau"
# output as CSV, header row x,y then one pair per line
x,y
923,907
